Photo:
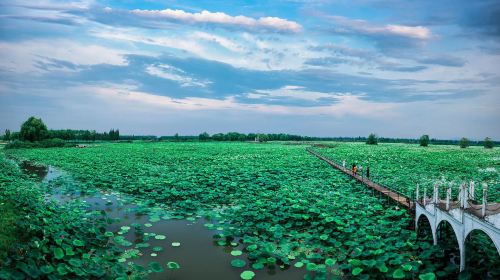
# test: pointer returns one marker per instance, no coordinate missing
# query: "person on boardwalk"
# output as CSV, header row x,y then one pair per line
x,y
355,169
343,163
361,170
368,171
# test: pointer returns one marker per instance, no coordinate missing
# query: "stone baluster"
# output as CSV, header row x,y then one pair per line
x,y
448,195
425,196
471,190
485,194
436,195
466,196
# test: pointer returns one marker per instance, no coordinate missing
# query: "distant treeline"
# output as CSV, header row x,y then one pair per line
x,y
35,133
114,135
69,135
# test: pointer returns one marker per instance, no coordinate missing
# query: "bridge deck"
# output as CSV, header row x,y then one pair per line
x,y
401,199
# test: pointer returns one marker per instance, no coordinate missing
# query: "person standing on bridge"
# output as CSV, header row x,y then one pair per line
x,y
343,163
368,171
361,170
354,169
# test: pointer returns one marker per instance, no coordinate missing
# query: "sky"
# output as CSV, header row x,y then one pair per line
x,y
307,67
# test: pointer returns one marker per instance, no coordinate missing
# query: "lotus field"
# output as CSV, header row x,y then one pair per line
x,y
173,210
403,166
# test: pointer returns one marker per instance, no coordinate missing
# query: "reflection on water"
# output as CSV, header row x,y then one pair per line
x,y
197,255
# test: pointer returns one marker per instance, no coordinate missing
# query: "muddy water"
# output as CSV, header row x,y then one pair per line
x,y
198,256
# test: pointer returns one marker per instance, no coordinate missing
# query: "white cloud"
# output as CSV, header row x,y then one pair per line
x,y
223,42
292,92
346,104
169,72
22,57
362,26
206,17
252,52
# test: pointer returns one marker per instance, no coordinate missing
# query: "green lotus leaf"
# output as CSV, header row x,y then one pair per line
x,y
398,274
299,264
155,267
236,253
58,253
247,275
427,276
173,265
238,263
356,271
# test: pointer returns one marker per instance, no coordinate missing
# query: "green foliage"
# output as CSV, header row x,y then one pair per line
x,y
47,143
33,130
372,139
47,239
488,143
204,136
402,166
6,136
464,143
424,140
275,187
285,206
8,227
262,138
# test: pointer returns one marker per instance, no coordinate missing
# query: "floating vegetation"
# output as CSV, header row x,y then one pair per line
x,y
272,206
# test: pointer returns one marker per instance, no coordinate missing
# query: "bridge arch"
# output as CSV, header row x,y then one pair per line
x,y
458,244
481,255
423,220
495,241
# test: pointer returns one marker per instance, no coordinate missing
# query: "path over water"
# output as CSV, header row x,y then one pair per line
x,y
395,196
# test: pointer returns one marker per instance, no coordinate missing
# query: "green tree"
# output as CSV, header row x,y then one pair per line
x,y
488,143
424,140
33,130
204,136
464,143
372,139
263,137
6,137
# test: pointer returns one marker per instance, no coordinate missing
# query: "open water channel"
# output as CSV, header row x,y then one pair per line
x,y
198,255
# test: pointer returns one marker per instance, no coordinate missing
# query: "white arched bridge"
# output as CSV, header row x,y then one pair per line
x,y
463,215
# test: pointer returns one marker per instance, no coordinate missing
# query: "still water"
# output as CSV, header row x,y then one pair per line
x,y
198,255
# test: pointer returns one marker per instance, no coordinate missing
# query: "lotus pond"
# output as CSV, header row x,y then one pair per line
x,y
402,166
211,210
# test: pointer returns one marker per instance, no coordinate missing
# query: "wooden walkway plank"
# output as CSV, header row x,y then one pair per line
x,y
401,199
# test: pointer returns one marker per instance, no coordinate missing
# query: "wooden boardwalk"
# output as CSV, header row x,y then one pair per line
x,y
395,196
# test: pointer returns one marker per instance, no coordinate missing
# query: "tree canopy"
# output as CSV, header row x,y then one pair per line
x,y
424,140
464,143
33,130
372,139
488,144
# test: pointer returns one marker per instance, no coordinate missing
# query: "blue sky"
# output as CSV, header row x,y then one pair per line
x,y
317,67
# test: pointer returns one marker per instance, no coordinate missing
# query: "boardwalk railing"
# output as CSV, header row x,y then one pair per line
x,y
392,194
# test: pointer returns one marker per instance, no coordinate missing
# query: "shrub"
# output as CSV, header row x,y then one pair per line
x,y
54,142
372,139
47,143
464,143
424,140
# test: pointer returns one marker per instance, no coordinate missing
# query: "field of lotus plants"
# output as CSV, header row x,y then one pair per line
x,y
215,210
402,166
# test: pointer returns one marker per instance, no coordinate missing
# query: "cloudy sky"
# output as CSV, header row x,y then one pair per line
x,y
315,67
